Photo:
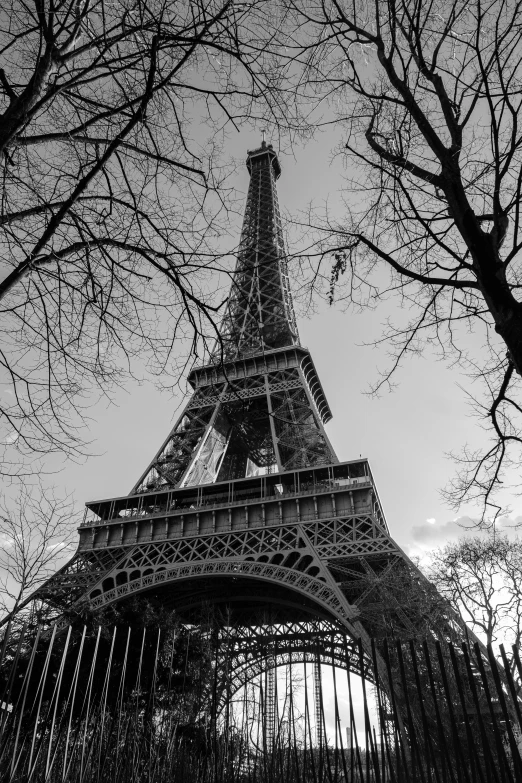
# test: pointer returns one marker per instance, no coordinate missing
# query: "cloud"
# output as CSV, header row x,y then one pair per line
x,y
432,534
511,526
59,545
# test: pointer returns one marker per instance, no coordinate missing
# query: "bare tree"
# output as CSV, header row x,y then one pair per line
x,y
480,576
112,191
37,533
428,98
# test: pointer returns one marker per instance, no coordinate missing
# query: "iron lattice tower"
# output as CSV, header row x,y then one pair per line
x,y
245,507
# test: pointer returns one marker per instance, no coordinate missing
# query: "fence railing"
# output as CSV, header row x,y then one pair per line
x,y
179,703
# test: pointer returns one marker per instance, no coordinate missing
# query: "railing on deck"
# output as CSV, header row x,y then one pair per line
x,y
198,502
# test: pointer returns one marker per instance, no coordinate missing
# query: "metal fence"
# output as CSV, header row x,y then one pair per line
x,y
155,704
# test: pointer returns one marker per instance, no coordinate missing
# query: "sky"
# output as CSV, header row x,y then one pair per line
x,y
406,434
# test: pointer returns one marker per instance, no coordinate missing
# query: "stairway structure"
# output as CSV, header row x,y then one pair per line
x,y
246,508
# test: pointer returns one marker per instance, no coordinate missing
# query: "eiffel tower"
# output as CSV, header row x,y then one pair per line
x,y
246,507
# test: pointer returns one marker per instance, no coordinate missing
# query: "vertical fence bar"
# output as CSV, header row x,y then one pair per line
x,y
515,755
511,685
382,718
505,772
490,761
72,696
20,708
56,699
428,744
338,727
307,720
370,749
41,691
87,701
399,732
469,734
353,727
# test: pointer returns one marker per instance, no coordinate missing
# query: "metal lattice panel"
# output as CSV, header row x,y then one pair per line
x,y
171,462
300,437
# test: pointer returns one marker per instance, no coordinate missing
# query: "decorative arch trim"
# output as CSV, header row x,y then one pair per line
x,y
309,586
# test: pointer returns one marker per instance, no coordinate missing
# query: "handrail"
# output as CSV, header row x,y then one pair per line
x,y
315,490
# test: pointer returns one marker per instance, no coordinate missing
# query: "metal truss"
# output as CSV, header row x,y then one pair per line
x,y
271,422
